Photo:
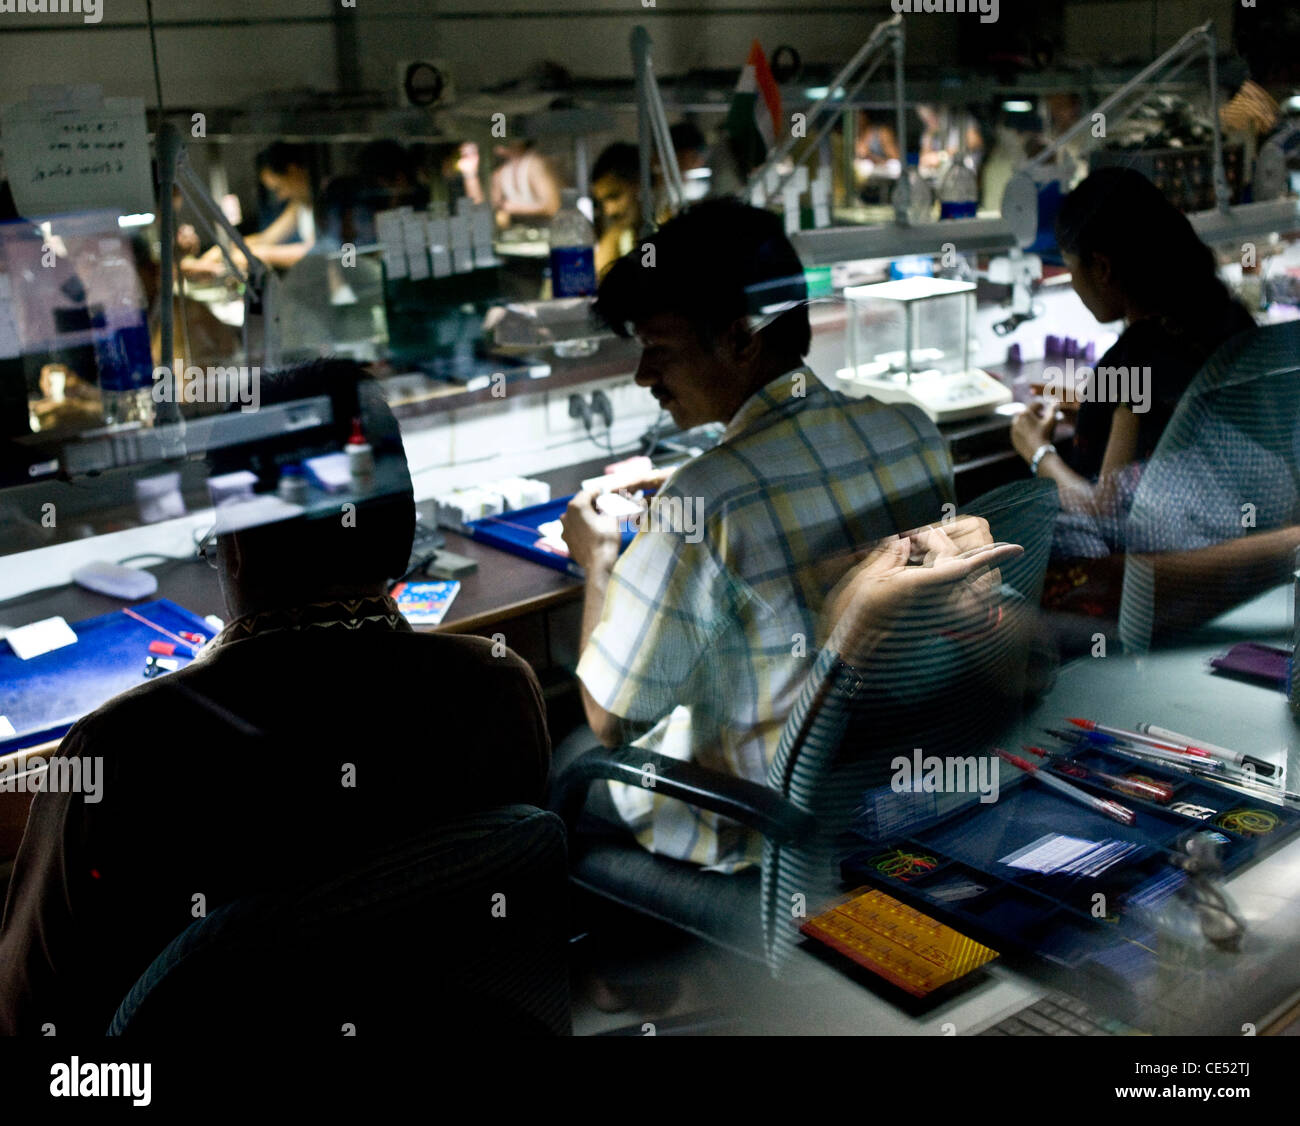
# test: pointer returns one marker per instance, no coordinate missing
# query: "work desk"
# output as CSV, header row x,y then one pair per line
x,y
1174,687
534,608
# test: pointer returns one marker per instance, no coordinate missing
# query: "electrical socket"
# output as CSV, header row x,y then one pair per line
x,y
559,420
602,408
580,409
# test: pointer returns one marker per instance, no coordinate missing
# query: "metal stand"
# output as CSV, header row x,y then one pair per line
x,y
886,36
261,286
652,134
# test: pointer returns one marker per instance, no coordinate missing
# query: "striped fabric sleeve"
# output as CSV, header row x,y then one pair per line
x,y
667,599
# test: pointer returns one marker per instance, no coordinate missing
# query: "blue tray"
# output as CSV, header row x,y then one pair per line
x,y
1048,916
516,532
44,696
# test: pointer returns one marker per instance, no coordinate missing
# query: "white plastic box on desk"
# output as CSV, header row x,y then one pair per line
x,y
910,341
458,507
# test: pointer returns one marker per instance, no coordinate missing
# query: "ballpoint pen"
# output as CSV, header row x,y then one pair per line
x,y
1139,737
1236,758
1113,742
1160,792
1111,809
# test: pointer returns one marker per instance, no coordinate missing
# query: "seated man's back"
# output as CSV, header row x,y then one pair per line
x,y
696,641
710,641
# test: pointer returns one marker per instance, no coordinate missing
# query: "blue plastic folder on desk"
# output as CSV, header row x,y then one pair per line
x,y
516,532
44,696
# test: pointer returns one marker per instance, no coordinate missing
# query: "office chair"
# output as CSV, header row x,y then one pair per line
x,y
1233,442
464,928
918,689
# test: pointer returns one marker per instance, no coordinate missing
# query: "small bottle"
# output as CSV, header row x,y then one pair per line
x,y
293,484
958,192
573,250
361,459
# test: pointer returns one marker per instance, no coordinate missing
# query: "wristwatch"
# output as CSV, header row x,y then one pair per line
x,y
1040,453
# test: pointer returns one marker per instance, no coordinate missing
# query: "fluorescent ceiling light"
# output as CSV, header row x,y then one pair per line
x,y
141,220
1018,106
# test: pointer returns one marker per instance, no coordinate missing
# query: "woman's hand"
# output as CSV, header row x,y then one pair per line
x,y
467,159
1035,425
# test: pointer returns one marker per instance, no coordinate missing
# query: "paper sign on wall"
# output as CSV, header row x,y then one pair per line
x,y
69,149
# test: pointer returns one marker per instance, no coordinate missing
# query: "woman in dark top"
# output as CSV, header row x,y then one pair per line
x,y
1131,255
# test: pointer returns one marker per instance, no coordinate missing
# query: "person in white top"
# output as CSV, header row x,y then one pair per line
x,y
524,187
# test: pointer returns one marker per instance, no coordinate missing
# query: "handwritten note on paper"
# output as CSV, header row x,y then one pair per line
x,y
70,155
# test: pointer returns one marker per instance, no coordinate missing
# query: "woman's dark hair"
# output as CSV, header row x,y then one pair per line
x,y
280,156
621,160
1157,259
718,261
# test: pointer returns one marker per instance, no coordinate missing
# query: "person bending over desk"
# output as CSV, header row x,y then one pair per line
x,y
616,192
1133,256
282,169
226,778
696,641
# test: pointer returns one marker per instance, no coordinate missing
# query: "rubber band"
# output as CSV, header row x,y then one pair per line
x,y
1247,822
900,865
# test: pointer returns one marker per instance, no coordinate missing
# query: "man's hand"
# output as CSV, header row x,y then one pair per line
x,y
949,570
650,480
593,538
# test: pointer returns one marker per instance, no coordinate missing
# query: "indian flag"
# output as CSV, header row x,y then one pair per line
x,y
754,120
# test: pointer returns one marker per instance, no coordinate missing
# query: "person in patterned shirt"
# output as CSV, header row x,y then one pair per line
x,y
697,640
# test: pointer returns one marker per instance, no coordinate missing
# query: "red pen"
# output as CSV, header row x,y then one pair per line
x,y
1160,792
1111,809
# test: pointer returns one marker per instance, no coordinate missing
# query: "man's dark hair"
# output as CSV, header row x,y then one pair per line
x,y
620,160
280,156
717,262
318,549
343,211
386,161
686,137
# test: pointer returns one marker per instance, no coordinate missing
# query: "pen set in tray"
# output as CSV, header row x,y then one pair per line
x,y
1168,750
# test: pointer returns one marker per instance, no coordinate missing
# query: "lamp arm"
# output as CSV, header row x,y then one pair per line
x,y
1178,56
886,34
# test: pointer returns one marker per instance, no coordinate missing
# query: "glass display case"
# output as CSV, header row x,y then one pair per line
x,y
910,341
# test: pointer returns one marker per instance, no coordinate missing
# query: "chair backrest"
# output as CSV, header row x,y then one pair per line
x,y
1227,464
465,928
919,688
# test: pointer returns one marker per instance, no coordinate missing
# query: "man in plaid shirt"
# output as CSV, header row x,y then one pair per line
x,y
696,641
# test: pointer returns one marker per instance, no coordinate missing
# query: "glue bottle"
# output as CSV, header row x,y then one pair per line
x,y
361,459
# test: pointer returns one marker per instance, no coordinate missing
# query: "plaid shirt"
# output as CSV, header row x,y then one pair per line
x,y
709,623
